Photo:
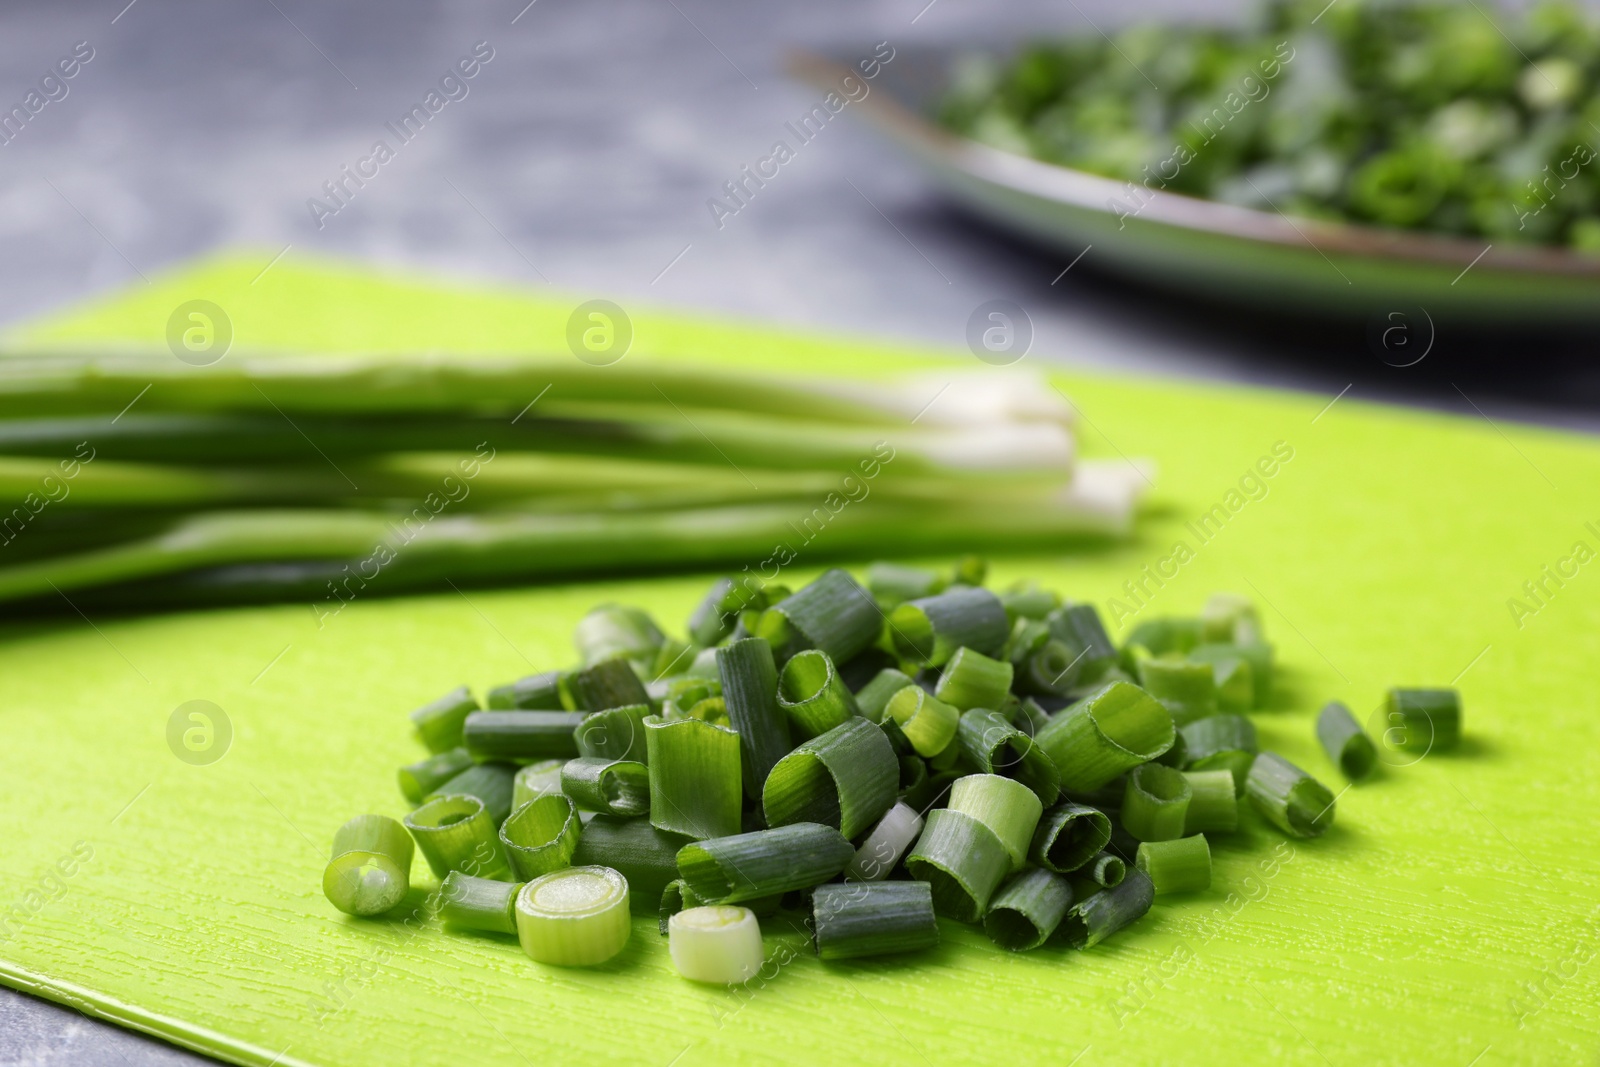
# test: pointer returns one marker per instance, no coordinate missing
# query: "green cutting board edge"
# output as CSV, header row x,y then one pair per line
x,y
1450,914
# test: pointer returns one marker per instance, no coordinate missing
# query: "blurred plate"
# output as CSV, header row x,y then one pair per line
x,y
1213,250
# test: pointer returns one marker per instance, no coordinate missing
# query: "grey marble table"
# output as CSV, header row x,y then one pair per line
x,y
581,155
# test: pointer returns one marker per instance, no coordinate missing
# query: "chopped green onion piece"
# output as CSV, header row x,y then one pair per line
x,y
1027,910
1235,682
611,787
455,833
491,783
1345,742
1291,799
885,845
1052,670
872,919
994,746
927,722
438,725
1008,808
612,630
535,780
713,618
872,698
1156,803
419,779
1108,732
576,917
947,760
716,943
536,692
1213,805
713,710
705,665
615,733
1256,653
541,835
962,861
1027,637
1162,636
927,631
369,871
750,691
1030,718
846,778
1187,689
610,683
973,680
893,584
1106,869
1229,617
694,777
833,613
1099,915
528,735
914,781
645,856
469,903
1027,600
1222,742
1079,626
1182,865
1423,720
727,870
812,695
1069,836
1178,755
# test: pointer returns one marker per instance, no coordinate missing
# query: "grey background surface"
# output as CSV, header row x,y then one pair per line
x,y
582,158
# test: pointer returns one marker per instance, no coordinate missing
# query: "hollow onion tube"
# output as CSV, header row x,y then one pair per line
x,y
1108,732
491,783
832,613
812,695
612,787
1027,910
973,680
928,723
1051,670
1008,808
1222,742
927,631
611,683
994,746
645,856
455,833
750,692
369,871
717,943
1212,803
728,870
438,724
575,917
885,845
613,630
1079,626
1099,915
419,779
469,903
1423,720
1291,799
1106,869
962,861
1068,836
1156,803
526,735
694,777
541,835
536,692
535,780
846,778
1345,742
856,919
1182,865
615,733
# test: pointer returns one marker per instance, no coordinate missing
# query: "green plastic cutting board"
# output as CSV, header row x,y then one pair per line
x,y
1450,917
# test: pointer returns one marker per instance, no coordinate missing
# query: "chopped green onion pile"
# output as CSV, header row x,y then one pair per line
x,y
933,773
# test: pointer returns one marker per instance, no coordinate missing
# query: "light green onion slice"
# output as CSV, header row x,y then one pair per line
x,y
1028,600
750,692
1099,915
536,692
521,735
535,780
1423,720
419,779
611,683
893,584
846,778
645,856
728,870
1345,742
615,733
1106,869
872,698
1008,808
1156,803
717,943
369,871
973,680
612,787
455,833
858,919
994,746
1108,732
575,917
613,630
1069,836
927,722
1176,757
885,845
469,903
1291,799
492,783
438,724
1222,742
1027,910
962,861
694,777
1213,806
832,613
1188,689
541,835
1182,865
927,631
812,695
1256,653
713,710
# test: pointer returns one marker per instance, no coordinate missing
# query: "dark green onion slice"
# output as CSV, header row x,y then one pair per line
x,y
369,870
1112,730
455,833
1156,803
1222,742
873,697
1291,799
1030,718
1345,742
994,746
492,783
469,903
1069,836
1256,653
884,846
1026,600
750,692
1213,805
927,631
613,630
812,695
713,618
1106,870
438,724
1099,915
419,779
893,584
1007,807
1052,670
973,680
1079,626
1027,910
1423,720
536,692
535,780
575,917
615,733
927,722
695,785
833,613
611,787
645,856
611,683
540,836
962,861
1027,637
524,735
846,778
1182,865
728,870
856,919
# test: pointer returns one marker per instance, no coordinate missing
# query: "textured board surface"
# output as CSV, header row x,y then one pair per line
x,y
1449,918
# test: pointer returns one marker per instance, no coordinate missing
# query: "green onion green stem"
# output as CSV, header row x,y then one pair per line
x,y
1182,865
1099,915
1213,806
832,613
521,735
536,692
609,786
1110,731
1423,720
994,746
455,833
492,783
1291,799
469,903
615,733
1156,803
929,630
438,724
750,692
369,871
927,722
962,861
973,680
1222,742
845,778
611,683
419,779
1008,808
535,780
540,836
1027,910
812,695
873,698
1069,836
728,870
645,856
1345,742
694,777
856,919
